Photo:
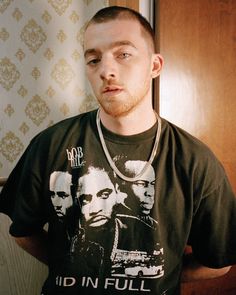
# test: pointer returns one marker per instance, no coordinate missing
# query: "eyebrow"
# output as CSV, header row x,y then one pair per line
x,y
112,45
101,192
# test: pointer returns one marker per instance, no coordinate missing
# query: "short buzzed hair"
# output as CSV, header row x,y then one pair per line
x,y
118,12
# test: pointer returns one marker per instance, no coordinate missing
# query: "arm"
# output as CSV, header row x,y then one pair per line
x,y
194,271
36,245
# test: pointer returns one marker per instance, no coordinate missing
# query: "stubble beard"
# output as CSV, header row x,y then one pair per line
x,y
122,107
118,108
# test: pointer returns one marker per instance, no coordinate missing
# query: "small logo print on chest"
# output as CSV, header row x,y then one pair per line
x,y
75,156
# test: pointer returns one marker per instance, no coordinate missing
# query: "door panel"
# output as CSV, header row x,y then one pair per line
x,y
198,83
197,88
134,4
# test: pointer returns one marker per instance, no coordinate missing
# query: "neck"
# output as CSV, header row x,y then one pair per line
x,y
135,122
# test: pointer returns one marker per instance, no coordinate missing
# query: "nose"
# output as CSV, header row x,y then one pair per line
x,y
95,206
108,69
57,201
149,192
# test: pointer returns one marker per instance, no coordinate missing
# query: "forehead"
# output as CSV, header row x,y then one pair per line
x,y
99,35
95,181
149,175
60,182
136,167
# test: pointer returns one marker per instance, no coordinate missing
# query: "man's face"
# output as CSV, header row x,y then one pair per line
x,y
144,191
97,197
61,198
119,64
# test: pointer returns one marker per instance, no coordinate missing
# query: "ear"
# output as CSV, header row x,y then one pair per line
x,y
157,64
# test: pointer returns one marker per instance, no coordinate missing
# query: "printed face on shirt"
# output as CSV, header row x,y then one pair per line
x,y
143,189
120,65
97,196
60,192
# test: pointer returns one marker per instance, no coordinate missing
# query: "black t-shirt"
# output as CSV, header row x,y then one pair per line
x,y
111,236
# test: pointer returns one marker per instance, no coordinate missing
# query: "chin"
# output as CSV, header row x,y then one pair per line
x,y
146,211
117,110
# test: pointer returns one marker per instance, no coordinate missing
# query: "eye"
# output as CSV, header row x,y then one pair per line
x,y
52,194
124,55
93,61
105,193
62,195
85,199
141,183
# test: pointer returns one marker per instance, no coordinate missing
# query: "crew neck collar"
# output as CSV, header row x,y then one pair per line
x,y
146,135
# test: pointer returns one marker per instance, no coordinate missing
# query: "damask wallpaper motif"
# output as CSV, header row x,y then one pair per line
x,y
42,78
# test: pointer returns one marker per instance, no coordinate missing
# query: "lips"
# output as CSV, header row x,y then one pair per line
x,y
97,220
146,204
59,213
111,89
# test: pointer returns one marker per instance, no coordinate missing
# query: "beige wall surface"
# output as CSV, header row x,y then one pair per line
x,y
42,77
42,81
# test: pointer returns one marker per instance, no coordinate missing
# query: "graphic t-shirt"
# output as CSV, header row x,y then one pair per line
x,y
108,235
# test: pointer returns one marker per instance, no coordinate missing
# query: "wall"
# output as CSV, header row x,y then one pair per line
x,y
42,81
41,69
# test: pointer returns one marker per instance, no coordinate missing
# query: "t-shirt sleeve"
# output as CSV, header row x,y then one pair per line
x,y
22,198
213,232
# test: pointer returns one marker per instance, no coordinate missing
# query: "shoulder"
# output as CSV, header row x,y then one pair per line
x,y
180,137
69,124
64,129
184,145
192,159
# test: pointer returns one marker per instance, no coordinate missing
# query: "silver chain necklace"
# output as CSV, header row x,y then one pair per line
x,y
111,162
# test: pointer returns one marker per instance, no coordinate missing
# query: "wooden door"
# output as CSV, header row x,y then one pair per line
x,y
198,83
197,88
134,4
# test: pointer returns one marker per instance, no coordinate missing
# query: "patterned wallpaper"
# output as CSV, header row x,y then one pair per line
x,y
42,78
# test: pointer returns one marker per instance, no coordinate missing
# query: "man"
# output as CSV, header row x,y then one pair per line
x,y
141,192
143,189
194,201
97,196
60,192
60,183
